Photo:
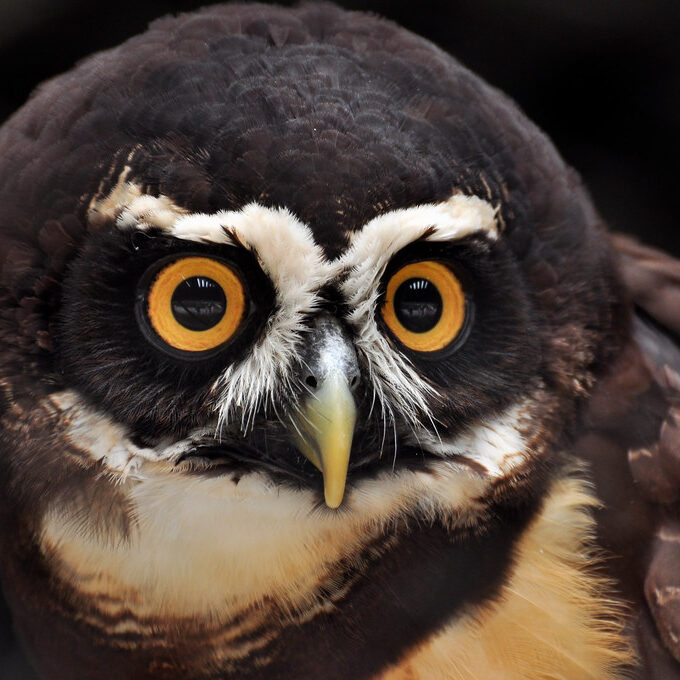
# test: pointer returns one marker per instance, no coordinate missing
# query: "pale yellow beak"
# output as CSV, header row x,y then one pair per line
x,y
326,428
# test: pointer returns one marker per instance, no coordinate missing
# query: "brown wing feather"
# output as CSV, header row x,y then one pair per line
x,y
632,441
652,278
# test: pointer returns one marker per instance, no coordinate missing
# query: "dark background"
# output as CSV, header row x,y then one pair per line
x,y
602,77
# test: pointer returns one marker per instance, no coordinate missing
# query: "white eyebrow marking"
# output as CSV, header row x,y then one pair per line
x,y
451,220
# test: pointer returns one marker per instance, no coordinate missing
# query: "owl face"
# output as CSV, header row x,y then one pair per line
x,y
259,304
250,397
237,336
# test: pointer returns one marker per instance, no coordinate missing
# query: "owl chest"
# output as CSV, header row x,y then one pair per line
x,y
340,600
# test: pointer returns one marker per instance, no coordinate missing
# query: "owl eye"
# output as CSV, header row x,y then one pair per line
x,y
424,306
195,304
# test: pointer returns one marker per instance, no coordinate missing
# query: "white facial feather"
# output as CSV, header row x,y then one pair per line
x,y
132,209
99,436
498,444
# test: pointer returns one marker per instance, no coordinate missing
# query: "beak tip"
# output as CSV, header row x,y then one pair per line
x,y
334,498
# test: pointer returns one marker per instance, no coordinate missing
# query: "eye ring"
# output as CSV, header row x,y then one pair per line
x,y
446,308
161,307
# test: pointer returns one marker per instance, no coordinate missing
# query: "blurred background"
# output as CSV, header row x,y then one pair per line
x,y
602,77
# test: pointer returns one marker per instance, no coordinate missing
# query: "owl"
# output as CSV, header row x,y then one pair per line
x,y
316,361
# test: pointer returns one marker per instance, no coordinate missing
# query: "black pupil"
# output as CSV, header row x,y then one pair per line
x,y
418,305
198,303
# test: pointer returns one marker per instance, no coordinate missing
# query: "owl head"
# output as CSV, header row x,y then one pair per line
x,y
290,272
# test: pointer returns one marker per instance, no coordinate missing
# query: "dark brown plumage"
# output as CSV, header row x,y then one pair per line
x,y
510,504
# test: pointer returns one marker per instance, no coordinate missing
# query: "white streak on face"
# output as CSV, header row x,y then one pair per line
x,y
99,436
371,250
497,444
154,211
131,209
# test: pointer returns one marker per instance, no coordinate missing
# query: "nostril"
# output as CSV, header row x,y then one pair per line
x,y
354,381
311,381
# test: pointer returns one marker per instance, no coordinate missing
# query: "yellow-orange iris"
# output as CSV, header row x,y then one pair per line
x,y
452,316
160,312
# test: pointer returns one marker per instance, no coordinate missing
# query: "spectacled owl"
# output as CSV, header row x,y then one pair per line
x,y
316,361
